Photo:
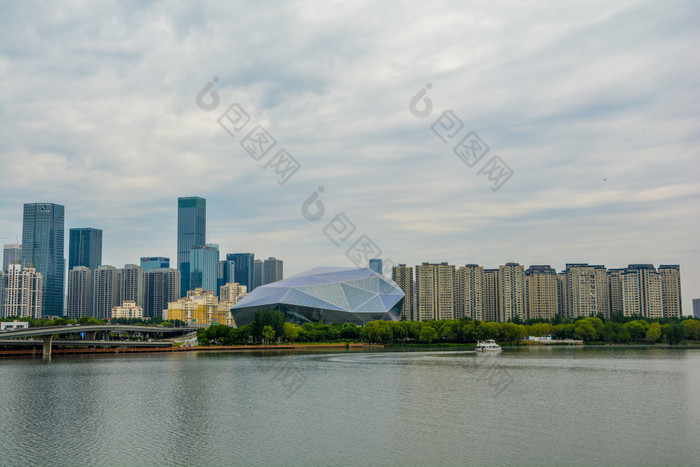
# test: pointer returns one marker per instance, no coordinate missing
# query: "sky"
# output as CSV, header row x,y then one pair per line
x,y
586,113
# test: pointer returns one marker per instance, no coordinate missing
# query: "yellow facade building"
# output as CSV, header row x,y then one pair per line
x,y
435,291
469,292
199,308
511,292
403,276
542,292
671,290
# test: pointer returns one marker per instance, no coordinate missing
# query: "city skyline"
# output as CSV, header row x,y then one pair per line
x,y
605,163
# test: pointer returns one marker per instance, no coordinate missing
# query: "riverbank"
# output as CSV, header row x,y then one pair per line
x,y
212,348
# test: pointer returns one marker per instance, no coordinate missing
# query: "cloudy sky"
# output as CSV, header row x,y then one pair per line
x,y
593,105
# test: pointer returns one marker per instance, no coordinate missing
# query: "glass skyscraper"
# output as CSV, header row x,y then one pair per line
x,y
154,262
84,248
204,262
11,254
191,232
226,273
376,265
42,247
244,269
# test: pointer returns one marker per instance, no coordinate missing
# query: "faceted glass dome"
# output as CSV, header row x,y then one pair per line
x,y
331,295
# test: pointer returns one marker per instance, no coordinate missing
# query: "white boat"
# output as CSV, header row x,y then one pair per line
x,y
488,346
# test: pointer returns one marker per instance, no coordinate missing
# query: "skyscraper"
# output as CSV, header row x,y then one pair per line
x,y
226,273
581,291
258,277
615,290
191,232
104,291
403,276
42,248
129,285
204,262
160,286
84,248
272,270
23,292
375,264
11,254
244,269
79,292
511,292
154,262
435,291
696,307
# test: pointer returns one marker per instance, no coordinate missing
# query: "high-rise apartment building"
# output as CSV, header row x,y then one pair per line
x,y
84,248
23,292
204,267
2,291
615,287
671,290
641,291
581,293
105,290
491,303
160,286
154,262
602,291
191,232
79,292
11,254
42,249
403,276
244,268
696,307
542,290
232,293
469,292
511,292
375,264
130,285
272,270
435,291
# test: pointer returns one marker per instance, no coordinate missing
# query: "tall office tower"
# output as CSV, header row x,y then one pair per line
x,y
258,276
582,296
231,293
542,289
225,273
511,292
42,249
23,292
641,291
375,264
435,291
11,254
562,294
403,276
154,262
602,291
272,270
104,291
615,287
244,269
204,265
491,295
160,286
84,248
469,292
79,292
671,290
129,285
696,307
191,232
3,280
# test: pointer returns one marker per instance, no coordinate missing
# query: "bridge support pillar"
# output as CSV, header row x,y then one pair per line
x,y
47,346
91,335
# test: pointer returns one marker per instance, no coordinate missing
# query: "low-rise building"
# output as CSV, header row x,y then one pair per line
x,y
199,308
128,309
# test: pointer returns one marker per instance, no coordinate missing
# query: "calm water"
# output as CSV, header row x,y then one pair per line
x,y
546,406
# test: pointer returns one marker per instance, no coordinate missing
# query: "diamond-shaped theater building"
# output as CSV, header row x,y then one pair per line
x,y
331,295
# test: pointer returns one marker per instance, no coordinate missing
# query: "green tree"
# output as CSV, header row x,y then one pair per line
x,y
653,333
428,334
691,329
268,333
290,332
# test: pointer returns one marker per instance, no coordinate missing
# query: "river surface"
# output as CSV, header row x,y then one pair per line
x,y
532,406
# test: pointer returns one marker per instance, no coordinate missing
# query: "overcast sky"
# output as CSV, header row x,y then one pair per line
x,y
592,104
